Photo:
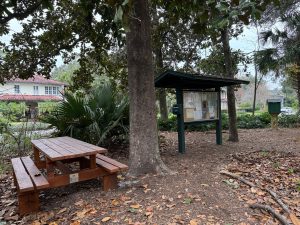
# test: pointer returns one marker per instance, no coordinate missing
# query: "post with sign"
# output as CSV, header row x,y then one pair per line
x,y
219,121
198,100
197,107
178,111
274,108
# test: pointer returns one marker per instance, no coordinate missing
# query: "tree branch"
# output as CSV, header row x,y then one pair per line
x,y
18,15
270,210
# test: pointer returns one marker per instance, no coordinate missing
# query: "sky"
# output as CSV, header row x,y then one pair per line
x,y
246,42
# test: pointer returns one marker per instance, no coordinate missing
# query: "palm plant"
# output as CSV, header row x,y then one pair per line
x,y
92,118
285,52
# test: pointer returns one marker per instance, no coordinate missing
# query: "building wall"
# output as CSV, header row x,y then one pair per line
x,y
27,88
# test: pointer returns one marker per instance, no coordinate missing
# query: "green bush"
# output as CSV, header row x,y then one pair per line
x,y
289,120
248,121
94,118
12,111
171,124
168,125
244,121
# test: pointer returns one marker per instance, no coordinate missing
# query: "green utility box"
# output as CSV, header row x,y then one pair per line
x,y
274,106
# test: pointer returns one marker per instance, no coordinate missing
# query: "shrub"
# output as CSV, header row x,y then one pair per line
x,y
171,124
168,125
94,118
244,121
289,120
12,111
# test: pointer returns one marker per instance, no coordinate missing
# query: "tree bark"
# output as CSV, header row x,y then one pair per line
x,y
144,154
162,95
233,133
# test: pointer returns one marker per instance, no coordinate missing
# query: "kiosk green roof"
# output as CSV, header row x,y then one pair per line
x,y
173,79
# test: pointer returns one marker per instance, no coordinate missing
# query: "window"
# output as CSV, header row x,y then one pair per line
x,y
35,90
50,90
17,89
54,91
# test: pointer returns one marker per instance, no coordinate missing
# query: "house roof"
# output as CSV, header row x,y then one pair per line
x,y
173,79
29,98
37,79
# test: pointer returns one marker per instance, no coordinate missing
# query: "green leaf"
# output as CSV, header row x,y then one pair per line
x,y
187,201
132,210
119,14
125,2
223,23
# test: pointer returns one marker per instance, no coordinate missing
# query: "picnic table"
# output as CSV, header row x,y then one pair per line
x,y
53,156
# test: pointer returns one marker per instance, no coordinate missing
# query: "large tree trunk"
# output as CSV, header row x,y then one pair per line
x,y
162,95
144,149
233,133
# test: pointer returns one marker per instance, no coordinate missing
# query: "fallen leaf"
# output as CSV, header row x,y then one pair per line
x,y
79,203
149,209
115,202
136,206
105,219
62,210
76,222
294,219
36,222
193,222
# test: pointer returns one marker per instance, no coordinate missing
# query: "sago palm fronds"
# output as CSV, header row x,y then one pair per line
x,y
92,118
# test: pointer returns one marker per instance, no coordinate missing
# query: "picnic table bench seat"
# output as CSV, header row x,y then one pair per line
x,y
29,181
112,168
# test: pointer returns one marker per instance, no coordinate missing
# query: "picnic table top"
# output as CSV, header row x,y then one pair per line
x,y
60,148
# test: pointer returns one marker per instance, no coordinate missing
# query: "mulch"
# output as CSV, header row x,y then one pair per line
x,y
196,194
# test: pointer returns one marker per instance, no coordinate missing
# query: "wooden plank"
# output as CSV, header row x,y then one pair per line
x,y
67,152
38,179
46,150
68,145
84,144
110,182
87,174
28,202
50,167
113,162
61,147
93,161
107,166
57,148
23,179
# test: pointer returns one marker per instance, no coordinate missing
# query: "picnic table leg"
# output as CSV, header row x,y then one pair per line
x,y
84,163
37,159
28,202
110,182
93,161
49,168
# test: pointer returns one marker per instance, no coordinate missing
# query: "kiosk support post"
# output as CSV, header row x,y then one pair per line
x,y
180,121
219,121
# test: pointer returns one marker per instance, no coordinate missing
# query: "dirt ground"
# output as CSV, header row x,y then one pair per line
x,y
196,194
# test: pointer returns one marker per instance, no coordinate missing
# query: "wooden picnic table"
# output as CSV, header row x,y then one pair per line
x,y
60,151
54,156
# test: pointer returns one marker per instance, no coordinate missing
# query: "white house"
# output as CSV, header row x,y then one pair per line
x,y
31,91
